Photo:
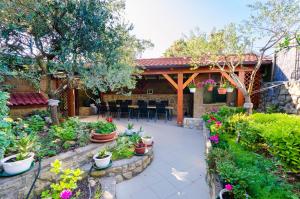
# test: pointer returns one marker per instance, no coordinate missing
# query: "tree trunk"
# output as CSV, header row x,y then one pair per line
x,y
248,108
54,115
53,109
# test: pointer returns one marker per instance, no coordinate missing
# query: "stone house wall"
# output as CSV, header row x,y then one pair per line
x,y
286,97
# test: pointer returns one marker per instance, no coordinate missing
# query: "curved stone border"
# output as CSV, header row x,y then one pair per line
x,y
212,179
18,186
125,169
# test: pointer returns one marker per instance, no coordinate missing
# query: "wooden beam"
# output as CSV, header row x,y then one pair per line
x,y
189,71
180,99
171,81
224,74
240,96
71,102
190,79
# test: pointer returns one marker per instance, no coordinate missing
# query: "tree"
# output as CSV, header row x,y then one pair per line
x,y
270,22
86,41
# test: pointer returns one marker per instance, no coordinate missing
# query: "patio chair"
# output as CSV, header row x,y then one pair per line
x,y
165,102
152,103
140,102
129,102
161,110
118,102
142,110
124,109
102,109
113,110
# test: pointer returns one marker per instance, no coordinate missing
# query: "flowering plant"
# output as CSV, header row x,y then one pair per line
x,y
214,139
228,187
207,83
192,85
65,184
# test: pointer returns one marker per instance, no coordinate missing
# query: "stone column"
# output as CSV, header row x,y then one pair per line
x,y
198,103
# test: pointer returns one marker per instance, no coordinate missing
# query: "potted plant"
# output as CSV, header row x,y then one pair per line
x,y
23,159
102,158
140,148
192,87
141,131
229,88
148,140
129,130
222,89
208,84
104,131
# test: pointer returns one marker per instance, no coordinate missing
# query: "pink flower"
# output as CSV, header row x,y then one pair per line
x,y
218,123
209,121
66,194
214,138
229,187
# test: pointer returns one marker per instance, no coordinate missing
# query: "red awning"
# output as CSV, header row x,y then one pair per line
x,y
22,99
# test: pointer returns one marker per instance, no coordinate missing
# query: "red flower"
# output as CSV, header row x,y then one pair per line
x,y
109,119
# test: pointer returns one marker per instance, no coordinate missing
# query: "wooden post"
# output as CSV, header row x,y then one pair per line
x,y
71,102
180,99
240,96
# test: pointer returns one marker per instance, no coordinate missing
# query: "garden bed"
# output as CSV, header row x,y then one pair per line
x,y
251,166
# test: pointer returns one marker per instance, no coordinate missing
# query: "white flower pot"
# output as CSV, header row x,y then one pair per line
x,y
229,90
147,141
104,162
129,131
192,90
18,166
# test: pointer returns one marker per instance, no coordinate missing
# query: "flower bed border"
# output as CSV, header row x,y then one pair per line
x,y
18,186
212,179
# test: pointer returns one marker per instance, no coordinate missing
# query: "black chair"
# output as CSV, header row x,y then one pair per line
x,y
140,102
129,102
142,110
113,110
165,102
124,109
118,102
152,103
161,110
102,109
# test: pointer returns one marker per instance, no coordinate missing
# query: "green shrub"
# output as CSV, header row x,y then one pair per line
x,y
106,128
64,133
123,149
36,123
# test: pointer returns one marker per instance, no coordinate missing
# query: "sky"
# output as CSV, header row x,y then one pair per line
x,y
164,21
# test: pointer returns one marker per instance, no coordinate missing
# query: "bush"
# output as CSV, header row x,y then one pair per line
x,y
36,123
106,128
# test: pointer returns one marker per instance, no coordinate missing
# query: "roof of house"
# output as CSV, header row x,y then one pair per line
x,y
182,62
22,99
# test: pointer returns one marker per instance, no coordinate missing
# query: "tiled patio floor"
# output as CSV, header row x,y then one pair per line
x,y
178,169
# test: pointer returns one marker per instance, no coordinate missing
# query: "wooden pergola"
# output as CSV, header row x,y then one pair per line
x,y
179,67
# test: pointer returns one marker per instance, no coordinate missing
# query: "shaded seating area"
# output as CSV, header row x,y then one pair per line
x,y
142,109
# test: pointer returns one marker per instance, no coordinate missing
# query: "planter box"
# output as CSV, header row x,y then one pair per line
x,y
84,111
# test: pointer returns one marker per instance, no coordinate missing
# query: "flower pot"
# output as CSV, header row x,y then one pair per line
x,y
147,140
98,136
140,148
16,167
229,89
192,90
129,131
102,162
222,91
210,88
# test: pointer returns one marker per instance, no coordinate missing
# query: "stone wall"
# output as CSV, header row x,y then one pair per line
x,y
18,186
21,111
286,97
172,98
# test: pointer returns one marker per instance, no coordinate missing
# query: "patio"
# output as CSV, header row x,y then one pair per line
x,y
171,174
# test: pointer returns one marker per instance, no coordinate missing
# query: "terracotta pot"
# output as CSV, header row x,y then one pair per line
x,y
98,136
140,149
222,91
210,88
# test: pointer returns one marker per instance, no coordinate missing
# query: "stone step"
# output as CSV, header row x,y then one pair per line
x,y
108,185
